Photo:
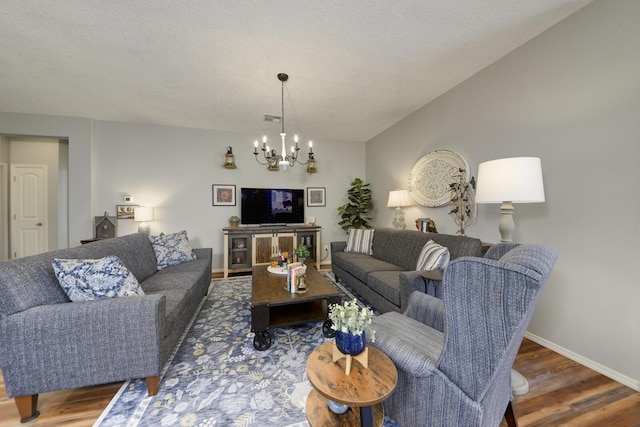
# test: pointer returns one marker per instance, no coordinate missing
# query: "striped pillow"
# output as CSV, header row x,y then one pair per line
x,y
360,241
433,257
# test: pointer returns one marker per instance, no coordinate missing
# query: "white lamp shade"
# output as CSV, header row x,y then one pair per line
x,y
516,180
399,198
143,214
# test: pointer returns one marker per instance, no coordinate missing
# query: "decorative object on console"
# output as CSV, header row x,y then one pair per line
x,y
272,158
143,215
234,221
356,213
223,195
463,203
426,225
507,181
399,199
316,196
229,159
432,175
106,226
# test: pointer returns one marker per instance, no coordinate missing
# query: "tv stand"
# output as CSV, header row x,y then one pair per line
x,y
245,247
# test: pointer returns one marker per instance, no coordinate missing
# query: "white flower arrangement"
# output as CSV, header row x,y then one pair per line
x,y
349,318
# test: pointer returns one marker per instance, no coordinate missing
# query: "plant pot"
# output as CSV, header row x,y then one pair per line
x,y
349,343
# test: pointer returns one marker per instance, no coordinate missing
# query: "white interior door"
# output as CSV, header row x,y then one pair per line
x,y
28,210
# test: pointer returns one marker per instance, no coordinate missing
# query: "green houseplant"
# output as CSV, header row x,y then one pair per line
x,y
351,323
356,213
301,252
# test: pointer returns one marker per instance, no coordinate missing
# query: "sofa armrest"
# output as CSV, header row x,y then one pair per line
x,y
77,344
338,246
410,281
426,309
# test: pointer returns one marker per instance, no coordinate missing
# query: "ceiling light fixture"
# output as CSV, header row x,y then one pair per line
x,y
275,160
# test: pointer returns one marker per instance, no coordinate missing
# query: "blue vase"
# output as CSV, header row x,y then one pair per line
x,y
349,343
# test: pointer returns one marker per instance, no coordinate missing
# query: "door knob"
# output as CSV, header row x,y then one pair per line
x,y
39,224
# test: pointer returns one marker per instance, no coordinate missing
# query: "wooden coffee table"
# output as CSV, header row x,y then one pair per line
x,y
364,388
272,305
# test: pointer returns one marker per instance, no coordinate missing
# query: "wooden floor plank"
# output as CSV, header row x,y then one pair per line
x,y
562,393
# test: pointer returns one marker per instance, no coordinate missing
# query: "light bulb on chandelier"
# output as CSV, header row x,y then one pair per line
x,y
273,160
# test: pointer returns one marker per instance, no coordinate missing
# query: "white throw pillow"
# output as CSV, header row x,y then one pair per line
x,y
89,279
172,249
360,241
433,257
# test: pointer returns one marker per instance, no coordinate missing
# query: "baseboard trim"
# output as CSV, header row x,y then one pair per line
x,y
614,375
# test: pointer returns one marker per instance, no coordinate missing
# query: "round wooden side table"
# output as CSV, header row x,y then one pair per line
x,y
363,390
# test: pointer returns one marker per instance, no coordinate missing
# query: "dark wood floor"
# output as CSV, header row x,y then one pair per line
x,y
562,393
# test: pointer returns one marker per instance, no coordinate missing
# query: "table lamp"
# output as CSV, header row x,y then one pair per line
x,y
398,199
143,215
508,181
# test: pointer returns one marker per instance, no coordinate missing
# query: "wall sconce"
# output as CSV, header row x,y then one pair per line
x,y
143,215
229,159
397,200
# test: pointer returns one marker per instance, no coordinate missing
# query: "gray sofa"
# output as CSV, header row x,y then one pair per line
x,y
49,343
387,278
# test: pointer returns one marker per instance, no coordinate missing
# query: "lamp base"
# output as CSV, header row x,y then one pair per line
x,y
506,226
398,219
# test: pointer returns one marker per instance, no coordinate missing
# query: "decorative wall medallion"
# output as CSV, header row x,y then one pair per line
x,y
431,176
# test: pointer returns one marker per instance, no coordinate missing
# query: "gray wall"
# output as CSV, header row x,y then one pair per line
x,y
571,96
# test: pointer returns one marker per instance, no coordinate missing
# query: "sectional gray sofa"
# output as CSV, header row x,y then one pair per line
x,y
387,278
49,343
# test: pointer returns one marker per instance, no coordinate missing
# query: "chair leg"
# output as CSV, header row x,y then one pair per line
x,y
27,407
152,385
509,416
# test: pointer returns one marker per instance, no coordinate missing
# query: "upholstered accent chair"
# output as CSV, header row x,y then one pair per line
x,y
454,355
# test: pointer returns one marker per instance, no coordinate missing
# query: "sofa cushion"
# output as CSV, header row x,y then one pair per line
x,y
134,250
387,284
89,279
172,249
360,265
433,257
360,241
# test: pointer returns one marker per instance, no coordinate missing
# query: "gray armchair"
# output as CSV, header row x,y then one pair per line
x,y
454,355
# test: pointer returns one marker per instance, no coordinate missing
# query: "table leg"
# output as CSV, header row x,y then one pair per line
x,y
366,416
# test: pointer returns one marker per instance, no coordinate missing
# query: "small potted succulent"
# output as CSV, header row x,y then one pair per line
x,y
351,322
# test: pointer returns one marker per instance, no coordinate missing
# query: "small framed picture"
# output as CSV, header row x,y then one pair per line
x,y
316,196
125,211
224,195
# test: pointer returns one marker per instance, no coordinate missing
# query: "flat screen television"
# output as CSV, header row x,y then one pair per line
x,y
271,206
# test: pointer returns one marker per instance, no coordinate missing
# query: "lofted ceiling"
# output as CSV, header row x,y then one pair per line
x,y
356,67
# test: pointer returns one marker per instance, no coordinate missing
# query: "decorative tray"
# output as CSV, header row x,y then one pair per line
x,y
277,270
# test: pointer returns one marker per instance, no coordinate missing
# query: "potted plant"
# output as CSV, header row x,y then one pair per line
x,y
351,323
301,252
355,214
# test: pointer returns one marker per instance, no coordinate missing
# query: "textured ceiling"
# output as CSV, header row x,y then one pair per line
x,y
355,67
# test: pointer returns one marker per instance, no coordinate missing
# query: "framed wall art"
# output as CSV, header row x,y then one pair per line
x,y
224,195
125,211
316,196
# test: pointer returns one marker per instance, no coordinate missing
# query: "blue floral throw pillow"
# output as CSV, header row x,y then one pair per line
x,y
89,279
172,249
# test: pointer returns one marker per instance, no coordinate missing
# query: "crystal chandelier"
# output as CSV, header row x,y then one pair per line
x,y
275,160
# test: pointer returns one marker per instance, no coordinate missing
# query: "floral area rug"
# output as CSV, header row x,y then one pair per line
x,y
217,378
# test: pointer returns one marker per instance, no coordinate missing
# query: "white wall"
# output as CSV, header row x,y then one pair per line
x,y
172,169
571,96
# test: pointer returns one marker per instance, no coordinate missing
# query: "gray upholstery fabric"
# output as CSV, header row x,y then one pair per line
x,y
465,379
388,277
48,343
